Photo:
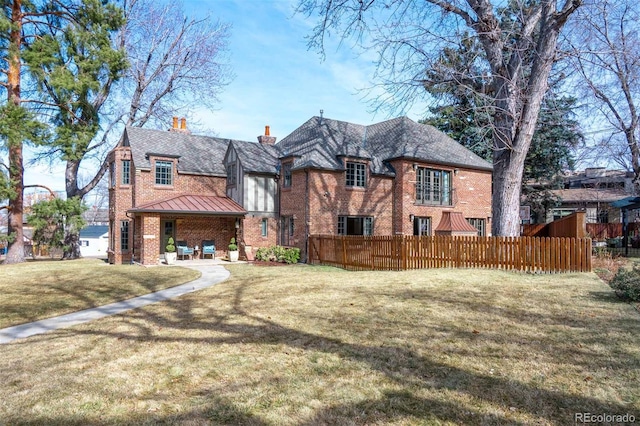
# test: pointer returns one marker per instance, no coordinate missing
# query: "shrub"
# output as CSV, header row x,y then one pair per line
x,y
170,247
278,254
232,245
627,284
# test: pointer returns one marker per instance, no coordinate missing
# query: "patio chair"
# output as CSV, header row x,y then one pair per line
x,y
208,247
184,249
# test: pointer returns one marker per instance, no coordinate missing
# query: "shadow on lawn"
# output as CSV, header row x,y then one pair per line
x,y
405,367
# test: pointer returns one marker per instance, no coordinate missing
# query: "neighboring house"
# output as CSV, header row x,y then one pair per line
x,y
397,177
592,191
96,216
94,241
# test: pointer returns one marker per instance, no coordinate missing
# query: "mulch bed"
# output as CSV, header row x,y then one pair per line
x,y
263,263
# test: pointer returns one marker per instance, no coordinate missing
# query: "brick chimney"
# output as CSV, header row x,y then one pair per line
x,y
267,139
182,128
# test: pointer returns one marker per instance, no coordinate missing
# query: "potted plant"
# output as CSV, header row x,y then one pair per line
x,y
233,250
170,254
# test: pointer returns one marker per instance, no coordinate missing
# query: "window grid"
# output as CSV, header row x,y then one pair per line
x,y
164,173
112,175
355,225
286,175
126,172
479,224
433,186
356,175
286,230
422,226
124,235
231,174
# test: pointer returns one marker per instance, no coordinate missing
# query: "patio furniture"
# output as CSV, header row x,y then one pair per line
x,y
184,250
208,247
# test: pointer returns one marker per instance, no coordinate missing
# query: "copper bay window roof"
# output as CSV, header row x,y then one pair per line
x,y
193,204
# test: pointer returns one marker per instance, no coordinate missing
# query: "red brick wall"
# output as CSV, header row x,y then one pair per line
x,y
390,201
329,198
251,233
147,191
120,200
472,196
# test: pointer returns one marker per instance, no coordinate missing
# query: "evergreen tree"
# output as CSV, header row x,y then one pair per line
x,y
57,222
60,51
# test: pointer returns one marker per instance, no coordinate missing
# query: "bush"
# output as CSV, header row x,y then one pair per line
x,y
170,248
232,245
278,254
627,284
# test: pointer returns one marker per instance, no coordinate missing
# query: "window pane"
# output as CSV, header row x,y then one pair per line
x,y
286,175
433,186
164,173
356,175
265,227
126,172
124,235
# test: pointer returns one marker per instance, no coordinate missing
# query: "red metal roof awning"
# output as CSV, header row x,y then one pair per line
x,y
193,204
454,223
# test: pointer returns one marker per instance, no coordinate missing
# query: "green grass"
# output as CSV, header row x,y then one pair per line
x,y
302,345
36,290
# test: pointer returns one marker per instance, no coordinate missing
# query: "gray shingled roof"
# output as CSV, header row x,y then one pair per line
x,y
320,142
257,158
198,154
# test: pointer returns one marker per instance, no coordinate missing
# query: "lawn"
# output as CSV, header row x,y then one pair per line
x,y
303,345
37,290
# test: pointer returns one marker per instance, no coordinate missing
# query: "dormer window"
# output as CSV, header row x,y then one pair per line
x,y
164,172
356,175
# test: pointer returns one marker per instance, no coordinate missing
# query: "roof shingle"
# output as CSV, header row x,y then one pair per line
x,y
320,142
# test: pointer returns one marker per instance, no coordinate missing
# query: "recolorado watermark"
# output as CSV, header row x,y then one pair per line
x,y
584,418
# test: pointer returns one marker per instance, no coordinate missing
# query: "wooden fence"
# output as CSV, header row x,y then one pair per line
x,y
602,231
569,226
395,253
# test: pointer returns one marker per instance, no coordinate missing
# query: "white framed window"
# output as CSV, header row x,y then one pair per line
x,y
164,172
264,227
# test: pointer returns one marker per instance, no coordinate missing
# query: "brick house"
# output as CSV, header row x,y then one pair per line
x,y
396,177
326,177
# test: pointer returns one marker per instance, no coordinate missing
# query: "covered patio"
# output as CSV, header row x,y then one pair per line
x,y
186,218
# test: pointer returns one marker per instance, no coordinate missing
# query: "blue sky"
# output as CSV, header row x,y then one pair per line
x,y
278,82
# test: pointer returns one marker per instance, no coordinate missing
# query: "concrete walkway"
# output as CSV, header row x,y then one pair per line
x,y
211,274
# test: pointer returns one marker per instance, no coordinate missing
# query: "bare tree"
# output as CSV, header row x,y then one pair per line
x,y
409,36
607,57
177,63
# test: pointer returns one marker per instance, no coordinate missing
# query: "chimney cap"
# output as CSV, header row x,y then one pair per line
x,y
266,131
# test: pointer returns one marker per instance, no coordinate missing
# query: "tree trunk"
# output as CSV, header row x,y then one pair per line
x,y
510,152
72,236
15,253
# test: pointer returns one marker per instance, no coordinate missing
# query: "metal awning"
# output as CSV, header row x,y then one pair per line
x,y
628,203
193,204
